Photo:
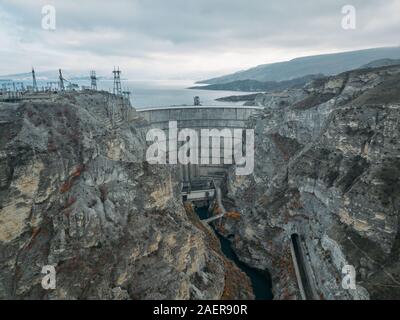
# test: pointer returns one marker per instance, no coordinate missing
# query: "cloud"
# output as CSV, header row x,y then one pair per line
x,y
185,38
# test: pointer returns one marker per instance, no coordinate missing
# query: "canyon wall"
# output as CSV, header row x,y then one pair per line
x,y
76,193
327,167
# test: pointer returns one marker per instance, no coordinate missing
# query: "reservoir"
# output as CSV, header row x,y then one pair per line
x,y
147,94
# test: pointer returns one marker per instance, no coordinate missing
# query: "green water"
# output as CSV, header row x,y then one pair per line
x,y
260,281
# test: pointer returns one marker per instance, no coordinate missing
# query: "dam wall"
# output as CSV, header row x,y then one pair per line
x,y
197,118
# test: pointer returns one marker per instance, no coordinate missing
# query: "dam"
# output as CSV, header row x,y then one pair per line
x,y
202,181
198,179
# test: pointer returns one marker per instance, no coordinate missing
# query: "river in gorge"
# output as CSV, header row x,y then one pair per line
x,y
260,281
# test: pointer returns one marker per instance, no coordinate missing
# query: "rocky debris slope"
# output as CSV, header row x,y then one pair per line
x,y
76,193
327,167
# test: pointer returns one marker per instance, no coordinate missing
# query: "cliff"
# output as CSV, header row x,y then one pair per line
x,y
327,168
76,193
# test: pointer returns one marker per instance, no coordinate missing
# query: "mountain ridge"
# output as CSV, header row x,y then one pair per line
x,y
260,86
50,75
327,64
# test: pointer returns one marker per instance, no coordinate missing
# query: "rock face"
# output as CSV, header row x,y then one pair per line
x,y
76,193
327,168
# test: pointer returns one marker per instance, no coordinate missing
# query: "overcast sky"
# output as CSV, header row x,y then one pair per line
x,y
185,39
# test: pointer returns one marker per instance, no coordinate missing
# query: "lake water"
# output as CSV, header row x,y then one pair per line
x,y
158,93
148,94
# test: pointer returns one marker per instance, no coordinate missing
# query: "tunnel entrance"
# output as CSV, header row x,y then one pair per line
x,y
300,264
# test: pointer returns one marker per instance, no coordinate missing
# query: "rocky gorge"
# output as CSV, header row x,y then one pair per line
x,y
327,170
77,193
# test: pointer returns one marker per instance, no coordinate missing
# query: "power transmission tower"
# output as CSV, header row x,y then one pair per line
x,y
93,79
22,86
61,83
35,87
127,94
117,82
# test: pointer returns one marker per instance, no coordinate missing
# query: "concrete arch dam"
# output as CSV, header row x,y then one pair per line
x,y
199,177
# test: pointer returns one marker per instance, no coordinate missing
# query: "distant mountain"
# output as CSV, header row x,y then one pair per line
x,y
327,64
259,86
40,75
16,77
50,75
381,63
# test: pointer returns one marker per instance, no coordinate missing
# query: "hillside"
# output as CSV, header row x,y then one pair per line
x,y
77,193
327,64
254,85
381,63
327,171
